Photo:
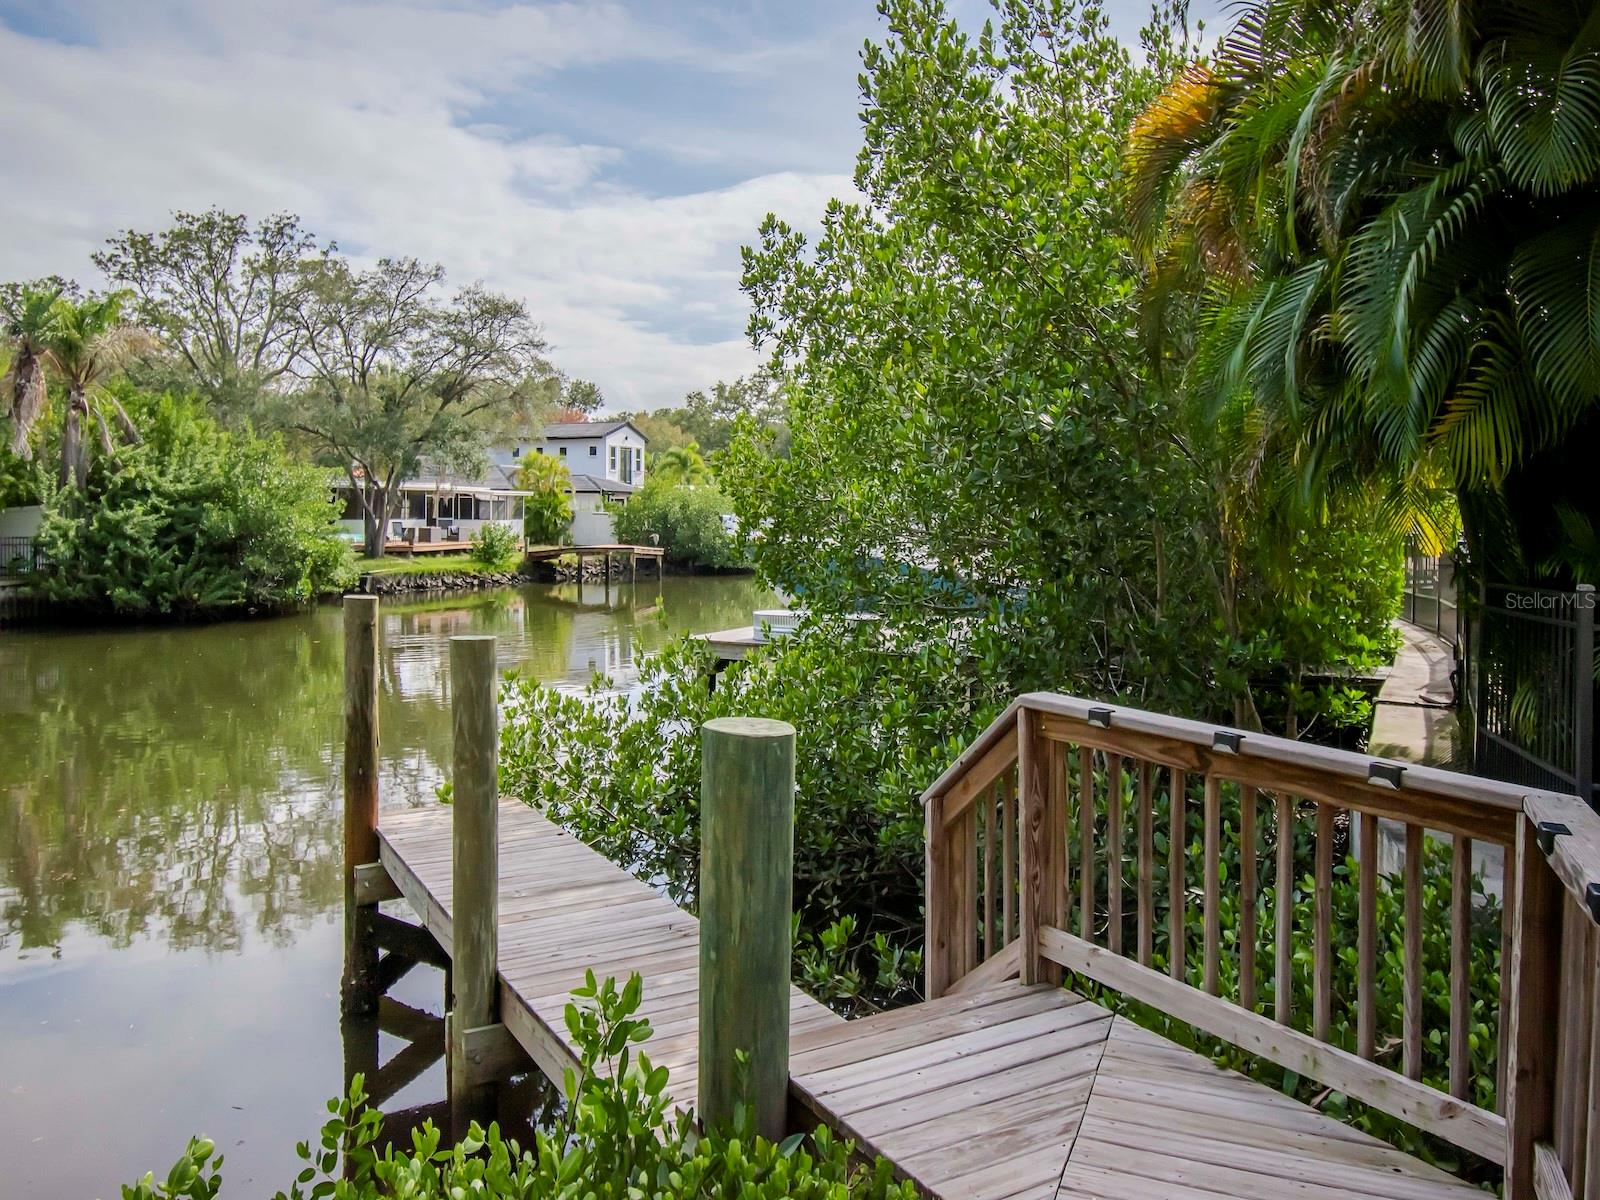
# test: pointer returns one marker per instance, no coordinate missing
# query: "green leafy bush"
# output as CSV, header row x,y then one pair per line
x,y
547,515
192,521
687,521
618,1142
494,546
878,714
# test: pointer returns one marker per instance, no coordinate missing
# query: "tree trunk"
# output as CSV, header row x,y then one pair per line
x,y
74,455
375,508
27,401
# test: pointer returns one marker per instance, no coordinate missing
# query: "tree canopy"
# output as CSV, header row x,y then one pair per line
x,y
1371,231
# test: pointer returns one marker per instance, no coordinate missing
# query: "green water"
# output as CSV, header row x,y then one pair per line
x,y
169,863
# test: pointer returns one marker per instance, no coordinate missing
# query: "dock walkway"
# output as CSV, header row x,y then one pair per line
x,y
1001,1091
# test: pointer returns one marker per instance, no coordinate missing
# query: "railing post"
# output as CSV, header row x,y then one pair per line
x,y
1531,1026
746,879
936,901
474,865
358,990
1583,699
1040,879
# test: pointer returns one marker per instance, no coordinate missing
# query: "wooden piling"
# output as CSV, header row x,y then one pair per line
x,y
475,866
358,990
746,873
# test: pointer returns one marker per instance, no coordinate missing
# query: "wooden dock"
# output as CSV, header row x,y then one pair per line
x,y
1003,1083
606,553
1007,1091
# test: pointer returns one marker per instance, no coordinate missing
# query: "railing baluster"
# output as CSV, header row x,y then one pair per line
x,y
1412,1034
1589,1187
1460,965
966,835
1322,953
1367,940
1114,853
1008,862
1177,845
1247,896
1146,838
990,816
1283,913
1086,843
1509,893
1213,904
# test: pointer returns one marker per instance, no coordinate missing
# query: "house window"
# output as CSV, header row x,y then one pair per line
x,y
613,458
563,452
593,450
540,449
638,460
516,452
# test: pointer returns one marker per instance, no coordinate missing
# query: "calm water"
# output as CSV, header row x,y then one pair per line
x,y
169,864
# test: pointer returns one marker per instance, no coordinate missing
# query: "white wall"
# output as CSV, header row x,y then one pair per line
x,y
23,521
625,440
593,529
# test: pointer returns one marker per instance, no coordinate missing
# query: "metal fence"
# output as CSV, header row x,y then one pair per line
x,y
19,556
1533,693
1429,599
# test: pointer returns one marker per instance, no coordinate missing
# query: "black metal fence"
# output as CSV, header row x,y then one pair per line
x,y
1533,695
19,556
1429,599
1526,657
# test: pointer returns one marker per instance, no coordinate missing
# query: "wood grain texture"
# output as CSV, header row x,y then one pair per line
x,y
746,879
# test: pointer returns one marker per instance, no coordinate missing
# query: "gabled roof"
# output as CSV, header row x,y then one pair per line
x,y
606,487
587,429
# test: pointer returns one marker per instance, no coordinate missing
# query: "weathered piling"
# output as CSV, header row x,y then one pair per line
x,y
746,872
475,865
359,991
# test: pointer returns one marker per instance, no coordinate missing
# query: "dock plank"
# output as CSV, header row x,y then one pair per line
x,y
1007,1092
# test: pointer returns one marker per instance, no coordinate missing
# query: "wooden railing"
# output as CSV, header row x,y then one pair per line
x,y
1553,1036
1083,836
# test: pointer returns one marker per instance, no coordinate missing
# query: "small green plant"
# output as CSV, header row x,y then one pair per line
x,y
494,546
620,1141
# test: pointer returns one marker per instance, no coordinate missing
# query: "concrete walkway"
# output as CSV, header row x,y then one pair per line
x,y
1413,720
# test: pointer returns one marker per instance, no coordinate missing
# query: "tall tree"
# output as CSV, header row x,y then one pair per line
x,y
27,318
1384,216
395,374
583,396
680,465
87,342
224,296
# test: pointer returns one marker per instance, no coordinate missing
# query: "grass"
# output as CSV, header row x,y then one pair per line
x,y
429,564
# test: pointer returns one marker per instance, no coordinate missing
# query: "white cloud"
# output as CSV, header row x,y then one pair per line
x,y
365,120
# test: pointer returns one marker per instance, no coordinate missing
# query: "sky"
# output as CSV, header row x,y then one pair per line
x,y
602,161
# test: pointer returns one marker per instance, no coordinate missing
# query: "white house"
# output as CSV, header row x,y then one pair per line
x,y
441,506
605,460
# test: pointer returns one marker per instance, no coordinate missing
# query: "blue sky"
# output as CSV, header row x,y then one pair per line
x,y
603,161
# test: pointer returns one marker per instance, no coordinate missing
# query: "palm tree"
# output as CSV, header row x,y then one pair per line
x,y
1374,225
682,465
28,318
86,343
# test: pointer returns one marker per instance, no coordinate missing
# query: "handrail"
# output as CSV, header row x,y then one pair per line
x,y
1553,1038
1054,811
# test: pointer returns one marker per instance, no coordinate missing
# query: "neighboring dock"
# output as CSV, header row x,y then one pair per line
x,y
629,556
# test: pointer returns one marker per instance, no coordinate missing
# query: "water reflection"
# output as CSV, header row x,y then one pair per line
x,y
169,884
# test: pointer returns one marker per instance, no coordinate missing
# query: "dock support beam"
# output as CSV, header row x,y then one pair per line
x,y
358,990
746,874
475,873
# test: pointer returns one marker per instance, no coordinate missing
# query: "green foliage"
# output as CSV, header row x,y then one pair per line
x,y
195,1176
494,546
193,521
547,516
618,1142
680,465
709,418
878,714
1372,225
686,520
